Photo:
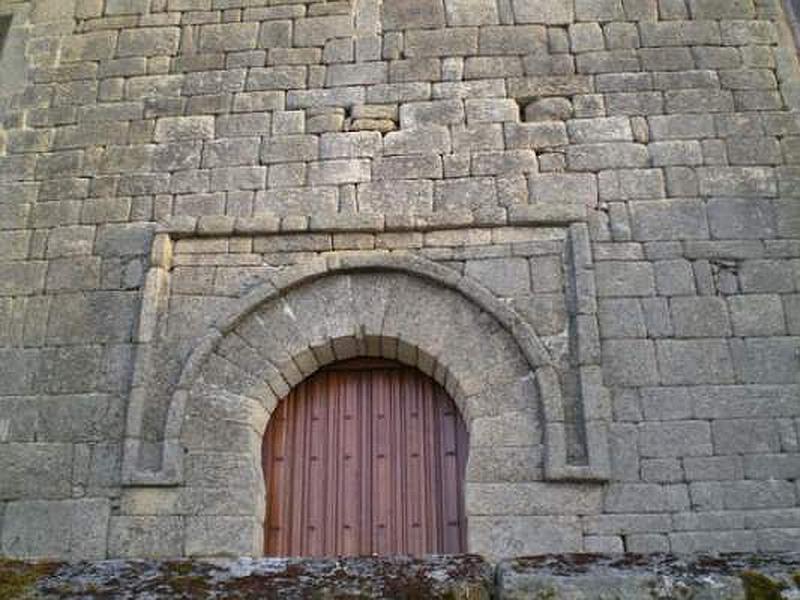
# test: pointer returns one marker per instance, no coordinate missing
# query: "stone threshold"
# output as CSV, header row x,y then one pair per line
x,y
464,577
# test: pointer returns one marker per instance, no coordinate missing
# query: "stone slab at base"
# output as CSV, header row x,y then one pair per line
x,y
464,577
644,577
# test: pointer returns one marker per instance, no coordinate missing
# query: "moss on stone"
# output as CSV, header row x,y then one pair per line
x,y
758,586
178,567
185,579
18,578
189,586
547,594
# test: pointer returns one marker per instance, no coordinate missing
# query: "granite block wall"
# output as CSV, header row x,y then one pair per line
x,y
582,217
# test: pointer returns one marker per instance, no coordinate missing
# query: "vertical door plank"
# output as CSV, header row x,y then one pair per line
x,y
381,466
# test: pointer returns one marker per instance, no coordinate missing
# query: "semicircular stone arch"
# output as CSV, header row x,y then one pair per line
x,y
343,315
388,314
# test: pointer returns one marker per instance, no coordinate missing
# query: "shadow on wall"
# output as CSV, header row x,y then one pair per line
x,y
13,64
793,13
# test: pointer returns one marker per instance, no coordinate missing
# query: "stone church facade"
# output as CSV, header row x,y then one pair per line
x,y
581,218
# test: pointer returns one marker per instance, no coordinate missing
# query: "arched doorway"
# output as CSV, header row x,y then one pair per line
x,y
366,456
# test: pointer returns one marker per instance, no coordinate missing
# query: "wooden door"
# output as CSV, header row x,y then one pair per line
x,y
365,457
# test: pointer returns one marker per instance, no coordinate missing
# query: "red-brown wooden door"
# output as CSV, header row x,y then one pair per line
x,y
365,457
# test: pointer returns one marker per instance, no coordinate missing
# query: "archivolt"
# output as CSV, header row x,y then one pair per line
x,y
379,304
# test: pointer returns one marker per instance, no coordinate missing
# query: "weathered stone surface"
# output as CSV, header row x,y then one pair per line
x,y
621,318
413,14
395,197
73,529
362,74
89,46
646,497
629,362
506,536
671,219
532,499
470,12
624,278
225,536
440,112
460,41
598,576
734,218
491,111
611,129
277,78
600,156
34,471
176,129
756,315
700,317
737,181
150,537
548,109
98,316
420,141
461,578
412,167
506,277
334,172
295,201
698,361
148,42
767,360
228,36
678,438
518,39
289,148
621,175
21,278
550,12
462,194
535,135
725,577
564,187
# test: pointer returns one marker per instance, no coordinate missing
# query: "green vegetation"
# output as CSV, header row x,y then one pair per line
x,y
179,577
758,586
18,578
